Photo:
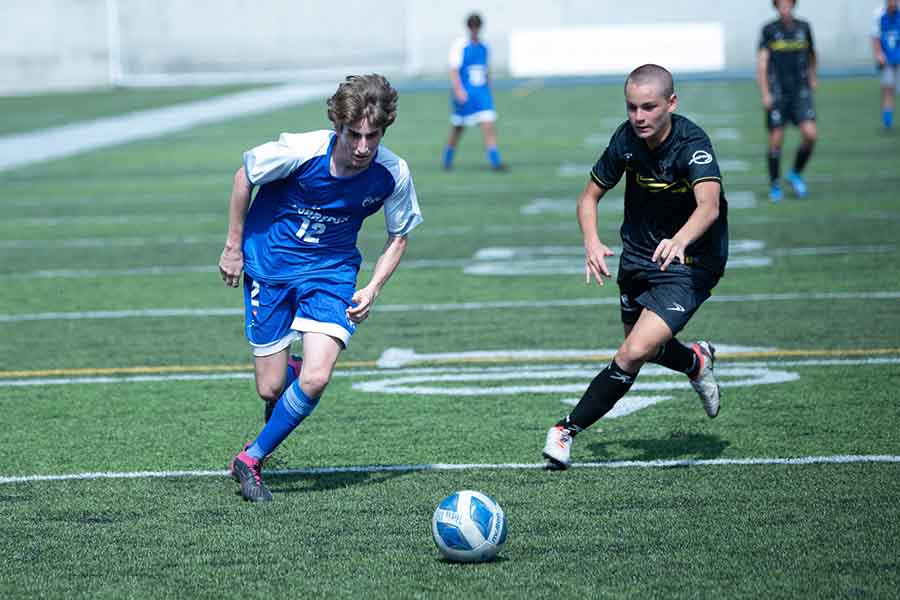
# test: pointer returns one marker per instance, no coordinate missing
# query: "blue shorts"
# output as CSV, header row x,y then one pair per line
x,y
479,108
277,314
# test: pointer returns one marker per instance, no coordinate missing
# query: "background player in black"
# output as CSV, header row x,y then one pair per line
x,y
674,248
786,74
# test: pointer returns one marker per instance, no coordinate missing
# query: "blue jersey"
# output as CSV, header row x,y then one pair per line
x,y
887,31
305,221
470,60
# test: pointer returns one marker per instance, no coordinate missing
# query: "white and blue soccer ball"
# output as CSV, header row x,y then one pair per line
x,y
469,526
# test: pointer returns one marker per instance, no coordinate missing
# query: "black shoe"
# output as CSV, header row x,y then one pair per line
x,y
248,471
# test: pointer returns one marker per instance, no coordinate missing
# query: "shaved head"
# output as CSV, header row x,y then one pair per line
x,y
654,75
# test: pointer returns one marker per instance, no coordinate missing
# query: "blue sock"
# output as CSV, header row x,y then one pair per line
x,y
448,157
493,156
291,409
291,376
887,115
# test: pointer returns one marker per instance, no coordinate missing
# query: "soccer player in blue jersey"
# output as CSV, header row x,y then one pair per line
x,y
886,47
786,74
674,249
296,245
470,95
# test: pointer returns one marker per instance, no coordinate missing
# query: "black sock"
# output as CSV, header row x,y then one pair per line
x,y
774,165
602,394
803,154
678,357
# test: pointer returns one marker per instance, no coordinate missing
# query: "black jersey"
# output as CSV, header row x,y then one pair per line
x,y
790,50
659,192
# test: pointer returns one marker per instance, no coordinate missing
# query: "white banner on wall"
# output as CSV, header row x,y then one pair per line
x,y
681,47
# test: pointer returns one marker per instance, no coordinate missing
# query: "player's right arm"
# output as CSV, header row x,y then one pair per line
x,y
595,251
877,50
459,92
231,263
762,77
455,61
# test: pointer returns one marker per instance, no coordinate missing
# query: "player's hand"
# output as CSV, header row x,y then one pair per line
x,y
767,101
231,263
362,300
666,252
813,82
595,263
881,59
461,96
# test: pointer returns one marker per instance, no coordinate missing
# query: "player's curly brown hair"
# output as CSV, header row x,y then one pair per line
x,y
364,96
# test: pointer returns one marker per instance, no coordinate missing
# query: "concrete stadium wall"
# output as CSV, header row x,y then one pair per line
x,y
63,44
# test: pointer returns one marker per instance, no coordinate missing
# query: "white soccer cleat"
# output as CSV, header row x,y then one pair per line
x,y
705,383
558,448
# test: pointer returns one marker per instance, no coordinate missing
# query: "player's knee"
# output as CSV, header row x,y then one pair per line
x,y
636,351
314,381
269,391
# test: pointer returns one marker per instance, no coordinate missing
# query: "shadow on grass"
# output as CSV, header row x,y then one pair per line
x,y
317,482
679,445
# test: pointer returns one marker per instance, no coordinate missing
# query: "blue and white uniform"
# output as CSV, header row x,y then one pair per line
x,y
470,60
886,29
300,254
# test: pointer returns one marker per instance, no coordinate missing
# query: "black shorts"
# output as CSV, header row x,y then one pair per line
x,y
794,107
674,294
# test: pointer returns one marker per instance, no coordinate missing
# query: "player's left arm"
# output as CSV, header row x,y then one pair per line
x,y
387,263
707,194
813,61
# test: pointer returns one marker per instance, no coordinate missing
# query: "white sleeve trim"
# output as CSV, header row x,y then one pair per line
x,y
876,22
277,160
455,58
401,208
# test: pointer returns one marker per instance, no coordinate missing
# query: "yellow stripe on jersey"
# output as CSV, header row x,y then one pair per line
x,y
788,45
649,183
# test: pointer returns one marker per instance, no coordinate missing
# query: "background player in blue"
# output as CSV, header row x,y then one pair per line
x,y
886,47
674,249
786,74
470,95
297,248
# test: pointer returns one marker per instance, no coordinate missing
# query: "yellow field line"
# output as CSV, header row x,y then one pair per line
x,y
370,364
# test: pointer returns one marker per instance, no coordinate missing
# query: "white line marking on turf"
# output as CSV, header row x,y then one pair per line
x,y
392,358
437,307
381,372
20,150
841,459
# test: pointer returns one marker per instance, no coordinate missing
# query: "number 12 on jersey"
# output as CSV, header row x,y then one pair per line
x,y
309,231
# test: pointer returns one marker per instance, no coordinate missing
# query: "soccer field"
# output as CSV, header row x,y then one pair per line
x,y
126,384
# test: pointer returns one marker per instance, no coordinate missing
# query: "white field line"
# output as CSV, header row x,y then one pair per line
x,y
841,459
425,263
437,307
21,150
483,371
426,233
542,263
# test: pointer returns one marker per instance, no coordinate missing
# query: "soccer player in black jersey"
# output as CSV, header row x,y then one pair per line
x,y
786,74
674,248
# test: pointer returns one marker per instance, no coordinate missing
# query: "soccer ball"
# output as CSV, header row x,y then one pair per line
x,y
469,526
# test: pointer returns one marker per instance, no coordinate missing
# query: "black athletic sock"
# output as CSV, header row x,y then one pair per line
x,y
678,357
774,165
601,395
803,154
